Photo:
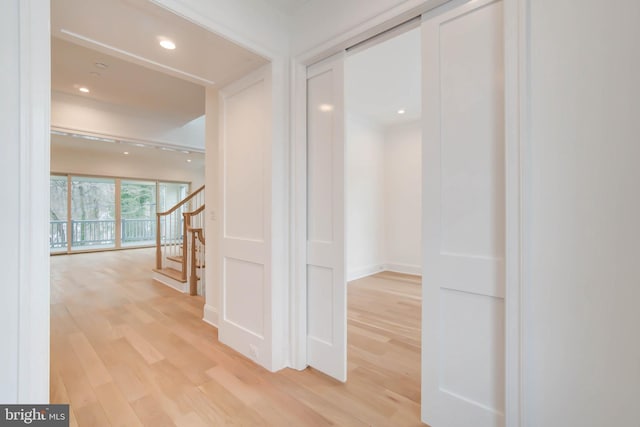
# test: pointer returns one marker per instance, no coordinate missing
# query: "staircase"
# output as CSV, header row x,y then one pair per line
x,y
180,245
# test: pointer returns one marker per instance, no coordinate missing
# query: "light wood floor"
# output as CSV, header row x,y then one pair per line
x,y
126,351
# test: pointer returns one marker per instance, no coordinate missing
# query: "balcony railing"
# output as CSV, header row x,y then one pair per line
x,y
97,232
90,232
57,234
138,230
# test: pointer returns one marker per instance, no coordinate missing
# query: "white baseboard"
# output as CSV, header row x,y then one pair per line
x,y
167,281
359,273
404,268
210,315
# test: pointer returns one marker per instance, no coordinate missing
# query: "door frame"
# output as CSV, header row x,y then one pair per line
x,y
517,178
32,292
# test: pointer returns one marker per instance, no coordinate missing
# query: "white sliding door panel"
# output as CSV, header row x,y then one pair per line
x,y
245,189
326,277
464,216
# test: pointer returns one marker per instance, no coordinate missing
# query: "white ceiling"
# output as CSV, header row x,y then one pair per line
x,y
123,82
287,6
125,34
384,78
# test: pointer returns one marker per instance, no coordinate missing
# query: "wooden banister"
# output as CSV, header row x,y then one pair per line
x,y
199,232
182,202
158,243
197,211
196,235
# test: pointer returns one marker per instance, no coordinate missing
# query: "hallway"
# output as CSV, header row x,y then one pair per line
x,y
128,351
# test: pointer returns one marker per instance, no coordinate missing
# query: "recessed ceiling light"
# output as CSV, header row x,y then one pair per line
x,y
101,65
125,153
83,89
325,107
188,160
167,44
401,111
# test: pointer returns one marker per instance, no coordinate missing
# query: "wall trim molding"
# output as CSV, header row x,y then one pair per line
x,y
210,315
415,270
169,282
361,272
127,140
518,203
370,270
298,215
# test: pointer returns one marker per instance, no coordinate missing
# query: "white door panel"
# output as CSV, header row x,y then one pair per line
x,y
463,208
244,172
326,280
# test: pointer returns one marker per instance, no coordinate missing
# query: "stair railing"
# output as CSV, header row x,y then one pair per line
x,y
194,225
171,230
196,258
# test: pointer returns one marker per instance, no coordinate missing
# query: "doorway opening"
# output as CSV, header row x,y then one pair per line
x,y
383,174
128,117
463,215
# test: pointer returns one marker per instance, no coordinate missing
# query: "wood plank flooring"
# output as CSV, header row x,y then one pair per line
x,y
126,351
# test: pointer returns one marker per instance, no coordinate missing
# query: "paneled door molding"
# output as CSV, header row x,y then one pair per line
x,y
518,208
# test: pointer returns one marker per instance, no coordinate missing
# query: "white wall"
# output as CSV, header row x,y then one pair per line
x,y
403,198
383,197
85,115
364,197
582,303
142,163
24,170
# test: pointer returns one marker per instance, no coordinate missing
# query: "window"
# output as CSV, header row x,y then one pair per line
x,y
58,214
93,213
138,213
88,213
171,193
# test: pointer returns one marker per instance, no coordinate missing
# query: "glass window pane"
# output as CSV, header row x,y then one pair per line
x,y
138,213
170,194
58,213
93,222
